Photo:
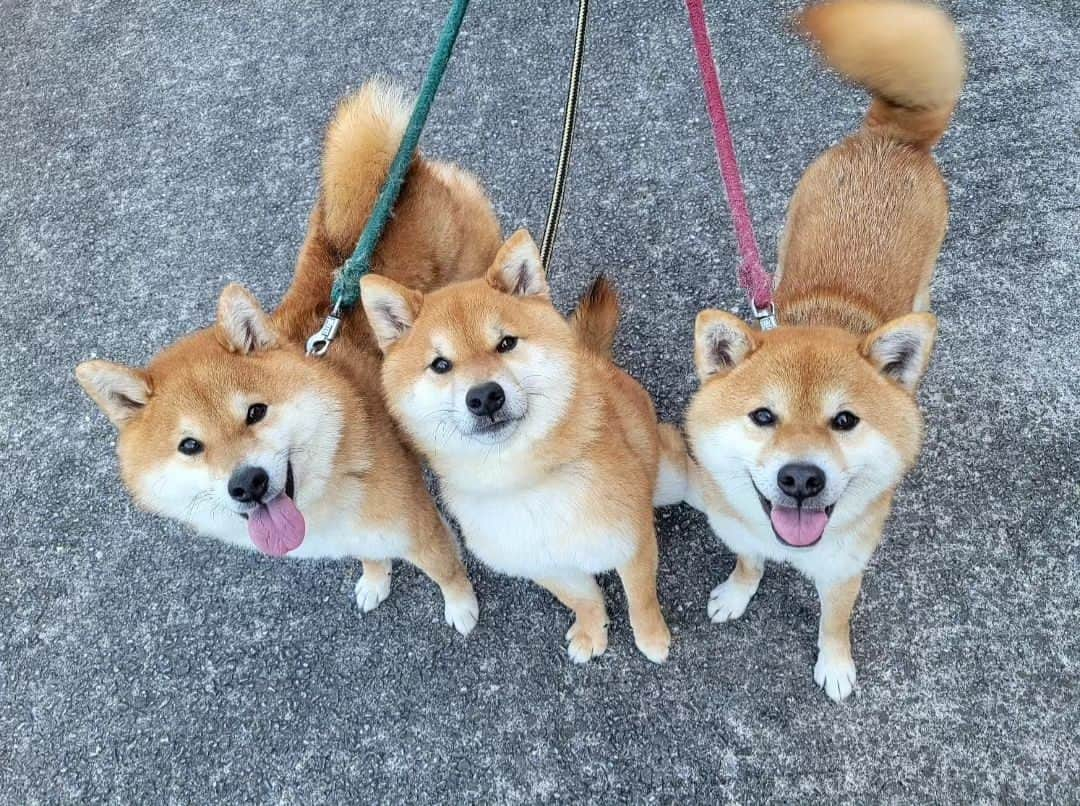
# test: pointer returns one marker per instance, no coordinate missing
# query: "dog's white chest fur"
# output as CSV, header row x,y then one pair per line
x,y
838,557
539,531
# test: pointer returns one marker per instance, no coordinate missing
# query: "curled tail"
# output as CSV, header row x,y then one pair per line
x,y
597,316
907,53
360,145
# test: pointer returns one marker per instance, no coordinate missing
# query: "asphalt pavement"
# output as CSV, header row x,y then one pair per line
x,y
155,152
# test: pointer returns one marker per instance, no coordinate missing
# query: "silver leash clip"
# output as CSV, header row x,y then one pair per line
x,y
320,342
766,317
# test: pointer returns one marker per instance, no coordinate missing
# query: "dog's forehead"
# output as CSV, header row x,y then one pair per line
x,y
465,322
219,385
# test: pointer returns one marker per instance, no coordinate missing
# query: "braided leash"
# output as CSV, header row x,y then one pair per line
x,y
754,280
346,289
555,206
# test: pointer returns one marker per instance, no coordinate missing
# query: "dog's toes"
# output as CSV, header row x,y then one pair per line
x,y
728,601
835,674
656,646
371,591
463,612
586,641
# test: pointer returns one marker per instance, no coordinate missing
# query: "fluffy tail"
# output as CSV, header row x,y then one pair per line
x,y
360,145
908,54
597,316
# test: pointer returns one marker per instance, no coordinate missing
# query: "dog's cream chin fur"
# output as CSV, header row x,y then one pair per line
x,y
864,229
359,488
558,483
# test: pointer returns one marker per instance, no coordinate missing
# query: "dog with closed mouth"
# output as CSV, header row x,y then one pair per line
x,y
802,433
548,455
234,431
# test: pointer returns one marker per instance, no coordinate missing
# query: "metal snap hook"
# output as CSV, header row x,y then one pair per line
x,y
766,317
320,342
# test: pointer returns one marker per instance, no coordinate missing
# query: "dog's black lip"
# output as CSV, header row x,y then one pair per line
x,y
493,425
766,505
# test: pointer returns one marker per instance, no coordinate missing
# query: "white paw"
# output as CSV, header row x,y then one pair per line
x,y
728,601
835,674
585,643
462,612
371,591
655,647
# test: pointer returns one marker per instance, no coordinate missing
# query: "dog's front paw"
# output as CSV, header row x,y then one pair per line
x,y
655,644
835,673
371,590
587,640
728,601
462,611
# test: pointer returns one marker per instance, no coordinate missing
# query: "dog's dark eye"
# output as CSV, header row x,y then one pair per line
x,y
844,421
507,344
189,446
255,413
441,365
763,417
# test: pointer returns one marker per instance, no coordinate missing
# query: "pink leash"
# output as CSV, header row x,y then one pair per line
x,y
752,275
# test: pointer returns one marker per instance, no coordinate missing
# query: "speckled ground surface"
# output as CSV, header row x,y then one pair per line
x,y
155,152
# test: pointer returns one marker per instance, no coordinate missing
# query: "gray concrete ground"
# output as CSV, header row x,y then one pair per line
x,y
154,152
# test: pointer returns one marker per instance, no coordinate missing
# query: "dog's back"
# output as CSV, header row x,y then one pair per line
x,y
867,220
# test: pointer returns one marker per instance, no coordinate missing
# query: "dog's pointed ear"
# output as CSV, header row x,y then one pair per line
x,y
721,340
517,268
391,308
242,325
900,349
120,392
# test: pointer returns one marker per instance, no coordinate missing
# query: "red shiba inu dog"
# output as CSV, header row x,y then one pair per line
x,y
803,433
548,455
237,433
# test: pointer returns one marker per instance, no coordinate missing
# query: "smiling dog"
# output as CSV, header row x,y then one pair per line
x,y
235,432
548,455
803,433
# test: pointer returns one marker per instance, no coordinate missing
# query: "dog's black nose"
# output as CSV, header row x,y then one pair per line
x,y
248,484
801,480
485,399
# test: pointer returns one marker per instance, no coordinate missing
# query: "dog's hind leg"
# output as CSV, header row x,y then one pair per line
x,y
672,476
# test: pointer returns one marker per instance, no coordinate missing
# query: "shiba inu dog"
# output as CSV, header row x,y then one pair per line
x,y
803,433
236,432
548,455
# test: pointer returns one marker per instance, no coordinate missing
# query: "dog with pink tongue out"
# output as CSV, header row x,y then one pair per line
x,y
801,434
237,433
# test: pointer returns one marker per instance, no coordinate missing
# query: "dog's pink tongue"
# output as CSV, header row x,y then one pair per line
x,y
276,528
799,527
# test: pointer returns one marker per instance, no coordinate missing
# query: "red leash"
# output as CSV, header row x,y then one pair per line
x,y
752,275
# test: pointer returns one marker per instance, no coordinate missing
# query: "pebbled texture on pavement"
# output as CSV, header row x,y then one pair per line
x,y
154,152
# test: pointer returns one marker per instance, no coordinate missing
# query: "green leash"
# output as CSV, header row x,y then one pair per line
x,y
346,290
